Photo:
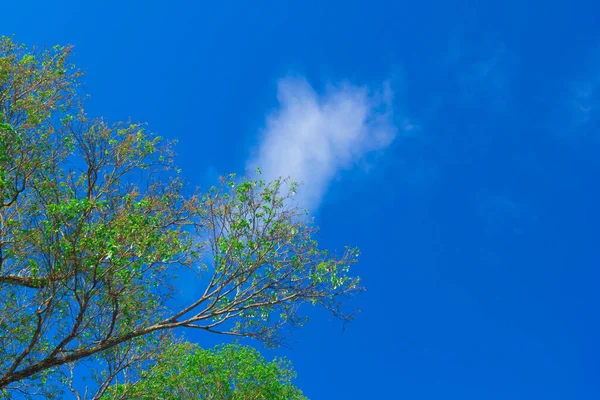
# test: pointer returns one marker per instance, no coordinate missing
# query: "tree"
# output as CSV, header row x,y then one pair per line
x,y
96,223
229,372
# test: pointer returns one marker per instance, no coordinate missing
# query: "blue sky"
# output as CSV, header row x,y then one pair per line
x,y
455,143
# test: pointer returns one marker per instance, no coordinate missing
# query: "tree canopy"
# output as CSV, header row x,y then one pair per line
x,y
96,222
185,371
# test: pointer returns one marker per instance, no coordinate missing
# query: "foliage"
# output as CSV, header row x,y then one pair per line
x,y
96,223
228,372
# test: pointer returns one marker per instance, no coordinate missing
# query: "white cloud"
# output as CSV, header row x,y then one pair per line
x,y
312,136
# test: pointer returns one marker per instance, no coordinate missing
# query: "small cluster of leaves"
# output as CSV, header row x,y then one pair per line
x,y
266,261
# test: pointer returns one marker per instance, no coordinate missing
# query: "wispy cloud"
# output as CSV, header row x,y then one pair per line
x,y
504,214
482,70
311,136
486,81
585,100
582,105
